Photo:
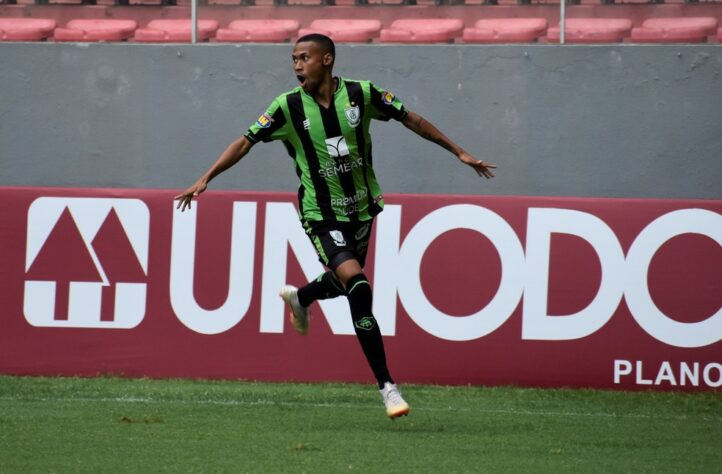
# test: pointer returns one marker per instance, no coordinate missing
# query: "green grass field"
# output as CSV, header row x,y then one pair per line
x,y
123,425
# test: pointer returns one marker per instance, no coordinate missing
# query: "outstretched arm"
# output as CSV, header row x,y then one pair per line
x,y
232,155
417,124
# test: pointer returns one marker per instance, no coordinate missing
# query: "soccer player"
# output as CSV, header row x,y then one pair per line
x,y
324,125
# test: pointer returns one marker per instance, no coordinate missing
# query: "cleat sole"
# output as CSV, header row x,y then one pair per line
x,y
399,414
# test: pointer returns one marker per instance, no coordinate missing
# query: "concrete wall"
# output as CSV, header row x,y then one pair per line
x,y
632,121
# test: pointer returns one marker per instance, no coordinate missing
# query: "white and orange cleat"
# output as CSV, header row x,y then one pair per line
x,y
299,315
395,404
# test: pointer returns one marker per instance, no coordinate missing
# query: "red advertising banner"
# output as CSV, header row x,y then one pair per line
x,y
612,293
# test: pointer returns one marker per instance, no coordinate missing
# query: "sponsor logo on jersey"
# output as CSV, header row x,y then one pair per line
x,y
388,98
349,204
353,115
362,232
337,147
264,121
336,167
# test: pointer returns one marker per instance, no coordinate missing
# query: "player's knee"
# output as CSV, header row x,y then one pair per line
x,y
348,270
358,287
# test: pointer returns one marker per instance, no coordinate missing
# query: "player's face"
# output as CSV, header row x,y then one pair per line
x,y
310,64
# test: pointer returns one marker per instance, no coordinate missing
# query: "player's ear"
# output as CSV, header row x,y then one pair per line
x,y
328,59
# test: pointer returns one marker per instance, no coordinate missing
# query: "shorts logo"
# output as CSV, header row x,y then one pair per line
x,y
388,98
366,323
86,262
337,147
362,232
264,121
337,237
353,115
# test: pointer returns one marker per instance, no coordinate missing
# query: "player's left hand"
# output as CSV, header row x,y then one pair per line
x,y
481,167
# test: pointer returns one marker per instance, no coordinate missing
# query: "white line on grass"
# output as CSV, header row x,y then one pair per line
x,y
271,403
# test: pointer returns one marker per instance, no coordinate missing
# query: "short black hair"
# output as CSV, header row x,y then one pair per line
x,y
324,41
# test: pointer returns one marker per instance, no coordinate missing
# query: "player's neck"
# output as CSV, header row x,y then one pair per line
x,y
324,94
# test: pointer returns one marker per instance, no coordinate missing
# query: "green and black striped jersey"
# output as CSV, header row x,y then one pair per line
x,y
331,147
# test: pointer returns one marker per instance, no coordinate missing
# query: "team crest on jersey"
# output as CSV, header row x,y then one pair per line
x,y
353,115
388,98
264,121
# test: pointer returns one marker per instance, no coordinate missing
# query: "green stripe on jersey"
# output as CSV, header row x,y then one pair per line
x,y
331,147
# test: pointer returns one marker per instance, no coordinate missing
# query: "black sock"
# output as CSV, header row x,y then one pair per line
x,y
367,330
322,288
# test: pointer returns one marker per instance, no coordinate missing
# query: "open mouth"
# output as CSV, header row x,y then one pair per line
x,y
301,79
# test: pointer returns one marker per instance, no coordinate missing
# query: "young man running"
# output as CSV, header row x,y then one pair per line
x,y
324,125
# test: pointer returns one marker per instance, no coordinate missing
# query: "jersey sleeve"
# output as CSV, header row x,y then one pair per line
x,y
385,105
271,125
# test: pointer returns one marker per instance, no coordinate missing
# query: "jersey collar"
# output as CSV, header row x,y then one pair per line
x,y
341,85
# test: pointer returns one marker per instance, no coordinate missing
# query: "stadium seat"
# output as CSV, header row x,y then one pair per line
x,y
87,30
506,30
258,31
175,31
345,31
592,30
26,29
441,30
675,30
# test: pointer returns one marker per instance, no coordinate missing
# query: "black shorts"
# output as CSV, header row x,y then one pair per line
x,y
337,242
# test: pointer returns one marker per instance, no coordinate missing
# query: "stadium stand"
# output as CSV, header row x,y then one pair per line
x,y
592,30
675,30
258,31
26,29
719,35
506,30
425,21
438,30
175,31
93,30
345,31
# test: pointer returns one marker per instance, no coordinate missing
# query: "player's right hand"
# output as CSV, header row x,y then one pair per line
x,y
186,197
482,168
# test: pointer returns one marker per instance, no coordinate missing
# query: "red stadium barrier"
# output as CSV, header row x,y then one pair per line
x,y
426,30
506,30
175,31
592,30
613,293
345,30
96,30
26,29
675,30
258,31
